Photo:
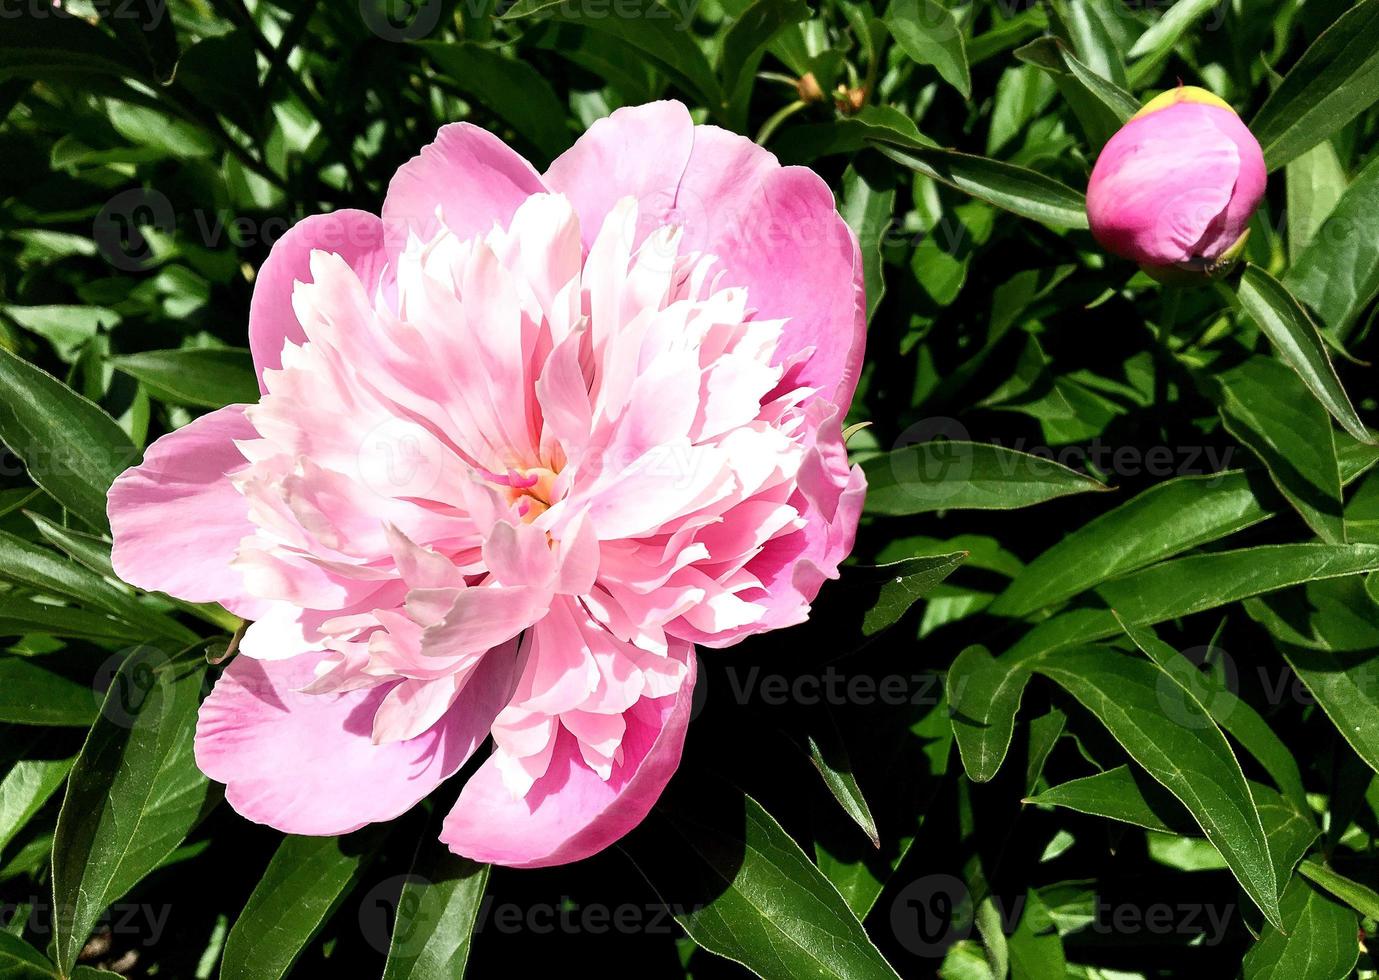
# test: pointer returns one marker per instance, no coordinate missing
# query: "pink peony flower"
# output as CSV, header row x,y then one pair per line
x,y
524,442
1176,186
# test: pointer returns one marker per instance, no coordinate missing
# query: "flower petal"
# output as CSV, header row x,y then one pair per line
x,y
469,175
307,764
176,518
774,229
784,240
356,236
638,151
570,813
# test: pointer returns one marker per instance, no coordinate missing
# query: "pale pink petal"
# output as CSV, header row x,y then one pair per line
x,y
356,236
306,763
177,520
414,706
483,617
570,812
638,151
467,176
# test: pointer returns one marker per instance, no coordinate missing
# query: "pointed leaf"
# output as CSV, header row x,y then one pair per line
x,y
742,888
134,793
1018,190
72,449
436,912
1335,80
304,882
950,475
1189,757
1292,331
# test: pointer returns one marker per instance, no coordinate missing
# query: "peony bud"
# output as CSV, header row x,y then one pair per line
x,y
1174,189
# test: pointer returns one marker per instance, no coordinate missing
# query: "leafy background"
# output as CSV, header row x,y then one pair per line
x,y
1100,696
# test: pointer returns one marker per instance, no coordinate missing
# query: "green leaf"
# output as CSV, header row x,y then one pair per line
x,y
1292,331
67,328
304,882
949,475
1016,189
205,377
1036,948
1315,182
134,793
928,32
1316,940
986,693
1335,80
1190,756
1079,24
830,756
728,872
659,30
1346,686
1337,274
898,586
435,916
509,87
72,449
20,961
1126,794
23,791
1166,520
20,616
48,573
1361,898
887,740
1107,106
1166,31
34,692
1200,582
1231,713
868,206
1267,408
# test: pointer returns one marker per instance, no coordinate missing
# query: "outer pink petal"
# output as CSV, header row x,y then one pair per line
x,y
775,229
306,763
639,151
177,520
785,241
570,813
1249,186
1160,188
357,236
471,176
